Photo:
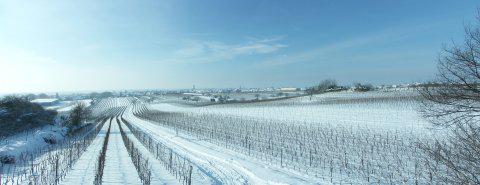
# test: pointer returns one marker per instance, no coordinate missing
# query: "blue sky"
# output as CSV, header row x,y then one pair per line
x,y
111,45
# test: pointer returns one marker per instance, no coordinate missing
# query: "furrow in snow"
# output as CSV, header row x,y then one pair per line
x,y
230,166
83,172
119,168
159,174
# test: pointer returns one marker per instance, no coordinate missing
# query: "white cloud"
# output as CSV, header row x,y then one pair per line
x,y
212,51
321,53
341,49
270,39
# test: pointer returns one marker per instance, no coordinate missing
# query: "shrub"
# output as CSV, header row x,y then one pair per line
x,y
50,140
18,114
79,114
362,87
7,159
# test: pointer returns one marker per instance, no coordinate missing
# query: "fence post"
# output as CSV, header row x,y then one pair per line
x,y
281,157
56,170
170,160
32,173
190,175
70,158
310,157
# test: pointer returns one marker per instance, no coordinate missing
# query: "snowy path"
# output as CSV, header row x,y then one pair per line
x,y
159,174
119,168
229,167
83,172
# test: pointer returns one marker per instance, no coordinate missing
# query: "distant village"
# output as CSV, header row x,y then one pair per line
x,y
211,95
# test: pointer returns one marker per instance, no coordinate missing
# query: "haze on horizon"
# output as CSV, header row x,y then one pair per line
x,y
49,46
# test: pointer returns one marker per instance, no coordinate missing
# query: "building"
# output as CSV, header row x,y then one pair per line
x,y
46,102
289,89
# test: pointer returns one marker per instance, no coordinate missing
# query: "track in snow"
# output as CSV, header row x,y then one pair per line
x,y
119,168
227,166
83,172
159,174
215,164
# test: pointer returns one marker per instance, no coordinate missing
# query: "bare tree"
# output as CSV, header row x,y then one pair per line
x,y
323,86
327,85
79,114
453,103
310,91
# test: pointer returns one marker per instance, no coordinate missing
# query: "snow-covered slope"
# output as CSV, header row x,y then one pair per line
x,y
333,138
30,141
224,165
375,110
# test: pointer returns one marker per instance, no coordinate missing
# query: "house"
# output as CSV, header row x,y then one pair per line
x,y
289,89
46,102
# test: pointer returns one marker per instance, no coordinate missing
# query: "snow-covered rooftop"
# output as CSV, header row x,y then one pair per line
x,y
193,94
46,100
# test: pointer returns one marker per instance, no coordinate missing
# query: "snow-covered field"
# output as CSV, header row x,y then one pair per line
x,y
71,104
376,110
340,137
217,163
65,106
31,140
333,138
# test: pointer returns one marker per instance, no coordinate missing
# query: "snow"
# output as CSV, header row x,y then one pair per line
x,y
159,174
83,172
193,94
354,114
102,106
66,109
71,105
45,100
226,166
30,141
119,168
376,110
216,164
